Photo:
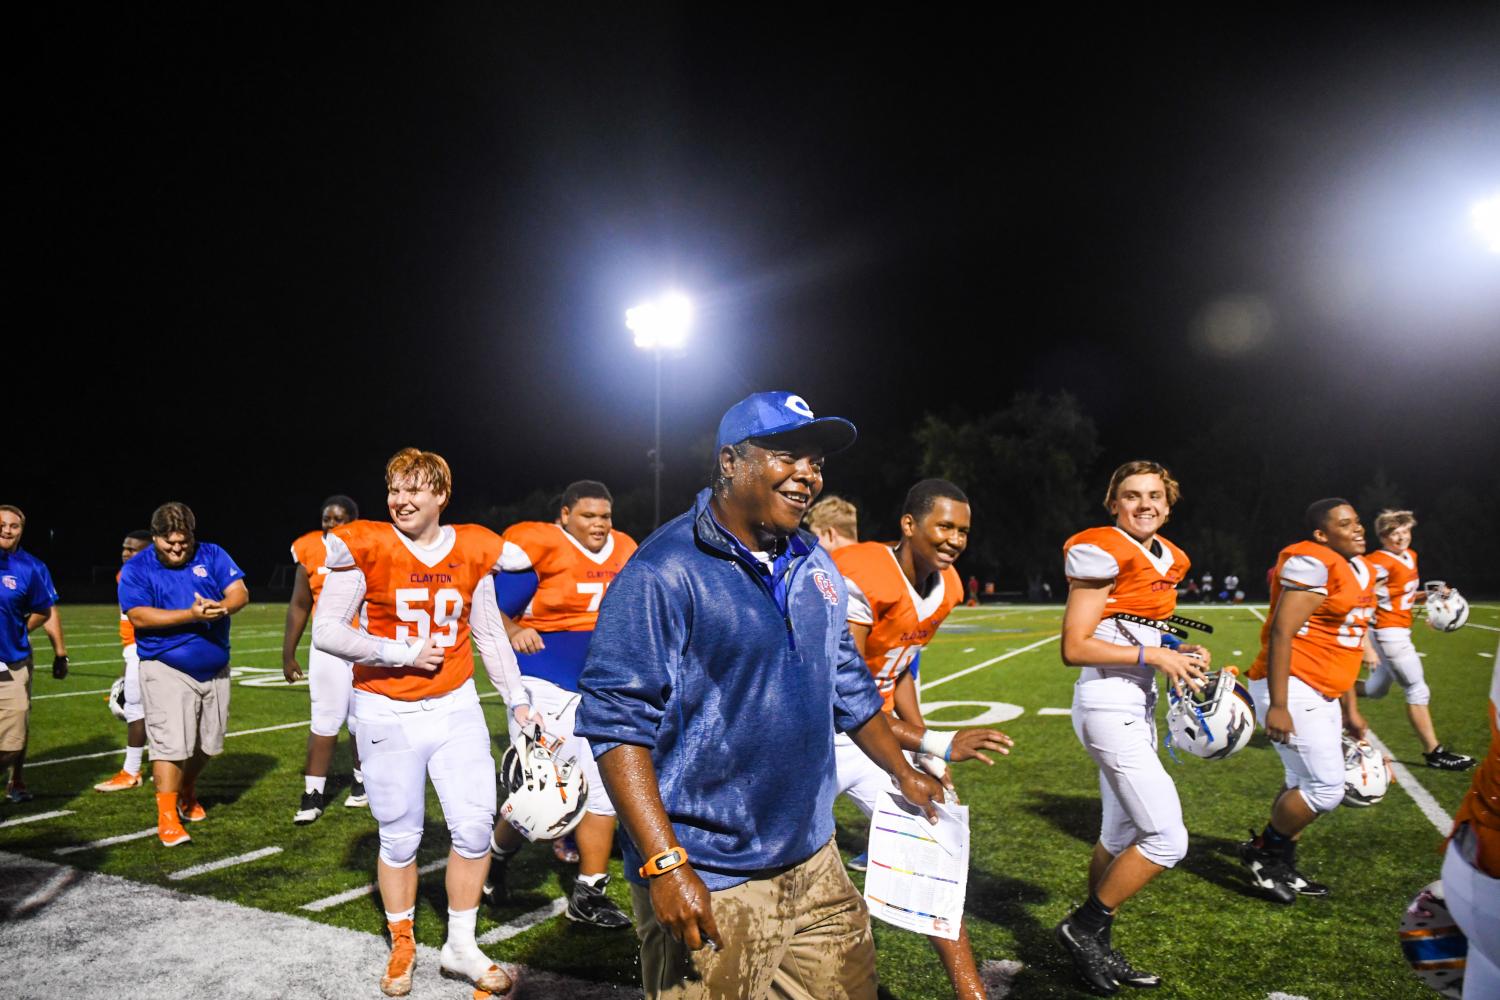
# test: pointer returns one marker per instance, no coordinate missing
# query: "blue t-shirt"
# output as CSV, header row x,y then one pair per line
x,y
198,649
25,589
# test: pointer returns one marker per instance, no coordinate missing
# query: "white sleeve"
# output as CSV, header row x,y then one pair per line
x,y
343,593
1305,573
488,632
860,612
513,559
337,554
1086,561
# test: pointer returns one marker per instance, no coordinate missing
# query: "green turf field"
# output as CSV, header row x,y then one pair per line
x,y
1034,816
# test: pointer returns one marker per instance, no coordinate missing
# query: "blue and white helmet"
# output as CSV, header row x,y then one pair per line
x,y
1435,946
547,792
1213,722
1366,779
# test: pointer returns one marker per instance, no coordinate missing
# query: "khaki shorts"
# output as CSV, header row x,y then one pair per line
x,y
802,935
183,715
15,706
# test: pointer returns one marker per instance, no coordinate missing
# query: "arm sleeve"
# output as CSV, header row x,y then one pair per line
x,y
1086,561
342,595
1305,573
514,590
226,570
489,638
855,697
626,684
43,594
513,558
860,612
134,592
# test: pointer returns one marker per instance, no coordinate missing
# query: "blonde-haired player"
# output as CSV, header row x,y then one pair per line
x,y
1124,568
426,590
1397,589
835,521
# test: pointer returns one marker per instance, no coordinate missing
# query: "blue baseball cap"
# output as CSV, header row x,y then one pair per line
x,y
767,414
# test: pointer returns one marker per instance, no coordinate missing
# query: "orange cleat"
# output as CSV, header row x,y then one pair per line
x,y
191,810
120,782
170,831
397,979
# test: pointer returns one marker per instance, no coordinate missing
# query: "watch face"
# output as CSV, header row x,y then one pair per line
x,y
670,859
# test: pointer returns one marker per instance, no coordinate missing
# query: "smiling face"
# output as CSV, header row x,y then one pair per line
x,y
11,527
1397,540
939,538
1342,532
589,520
1140,505
174,549
771,486
413,505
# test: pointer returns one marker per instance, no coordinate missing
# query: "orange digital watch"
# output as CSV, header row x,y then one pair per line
x,y
660,864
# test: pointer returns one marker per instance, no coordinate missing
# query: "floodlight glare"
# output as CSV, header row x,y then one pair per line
x,y
1486,216
662,323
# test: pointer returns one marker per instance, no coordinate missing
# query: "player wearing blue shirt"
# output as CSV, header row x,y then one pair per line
x,y
179,595
27,598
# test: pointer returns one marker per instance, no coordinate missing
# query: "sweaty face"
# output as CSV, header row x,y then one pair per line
x,y
10,531
589,521
175,549
1397,539
1342,532
413,505
940,537
774,484
335,515
129,547
1140,505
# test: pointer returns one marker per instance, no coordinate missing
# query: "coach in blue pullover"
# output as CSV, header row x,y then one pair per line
x,y
719,671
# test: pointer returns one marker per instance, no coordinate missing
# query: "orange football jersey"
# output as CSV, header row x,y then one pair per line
x,y
1396,585
408,595
127,630
1145,581
1326,652
901,621
1481,807
571,580
309,553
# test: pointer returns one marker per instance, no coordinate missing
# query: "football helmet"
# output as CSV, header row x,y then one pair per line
x,y
1365,776
117,699
1445,612
1435,946
1213,722
547,790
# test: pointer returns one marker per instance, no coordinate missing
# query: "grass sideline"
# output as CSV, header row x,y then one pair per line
x,y
1034,817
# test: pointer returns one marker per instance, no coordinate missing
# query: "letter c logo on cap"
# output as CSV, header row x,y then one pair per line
x,y
799,406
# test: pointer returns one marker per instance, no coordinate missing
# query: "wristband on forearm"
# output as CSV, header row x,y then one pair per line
x,y
938,743
660,864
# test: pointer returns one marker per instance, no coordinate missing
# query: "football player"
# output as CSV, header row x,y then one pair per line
x,y
129,776
426,589
1471,871
329,678
898,596
1126,568
553,578
835,521
1312,644
1397,588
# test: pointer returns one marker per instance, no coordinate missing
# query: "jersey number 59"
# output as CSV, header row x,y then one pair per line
x,y
447,606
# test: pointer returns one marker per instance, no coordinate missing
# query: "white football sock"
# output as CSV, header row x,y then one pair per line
x,y
594,881
359,776
461,930
396,918
311,783
133,757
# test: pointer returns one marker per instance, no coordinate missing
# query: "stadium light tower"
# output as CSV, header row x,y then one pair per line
x,y
1486,216
660,325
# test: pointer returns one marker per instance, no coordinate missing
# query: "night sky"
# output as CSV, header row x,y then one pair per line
x,y
263,249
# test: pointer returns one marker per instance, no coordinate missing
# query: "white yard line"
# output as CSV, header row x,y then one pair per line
x,y
524,922
1407,781
1487,628
927,685
119,660
1054,711
38,817
1254,611
242,633
329,902
213,866
107,841
111,753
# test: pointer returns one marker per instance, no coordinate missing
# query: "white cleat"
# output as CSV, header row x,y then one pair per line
x,y
473,966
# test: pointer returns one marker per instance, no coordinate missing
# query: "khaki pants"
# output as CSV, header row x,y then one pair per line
x,y
802,935
183,715
15,705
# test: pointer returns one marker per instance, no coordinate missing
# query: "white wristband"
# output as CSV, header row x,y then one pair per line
x,y
398,653
936,742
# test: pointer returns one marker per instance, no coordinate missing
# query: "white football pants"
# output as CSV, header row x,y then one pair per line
x,y
1399,662
134,710
329,683
402,744
1314,756
559,706
1474,900
1140,801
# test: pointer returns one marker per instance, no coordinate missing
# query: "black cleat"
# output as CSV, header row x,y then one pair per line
x,y
311,809
1127,975
1269,872
1446,760
1302,885
358,797
589,905
1091,956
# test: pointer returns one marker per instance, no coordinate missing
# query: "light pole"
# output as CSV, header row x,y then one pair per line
x,y
659,325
